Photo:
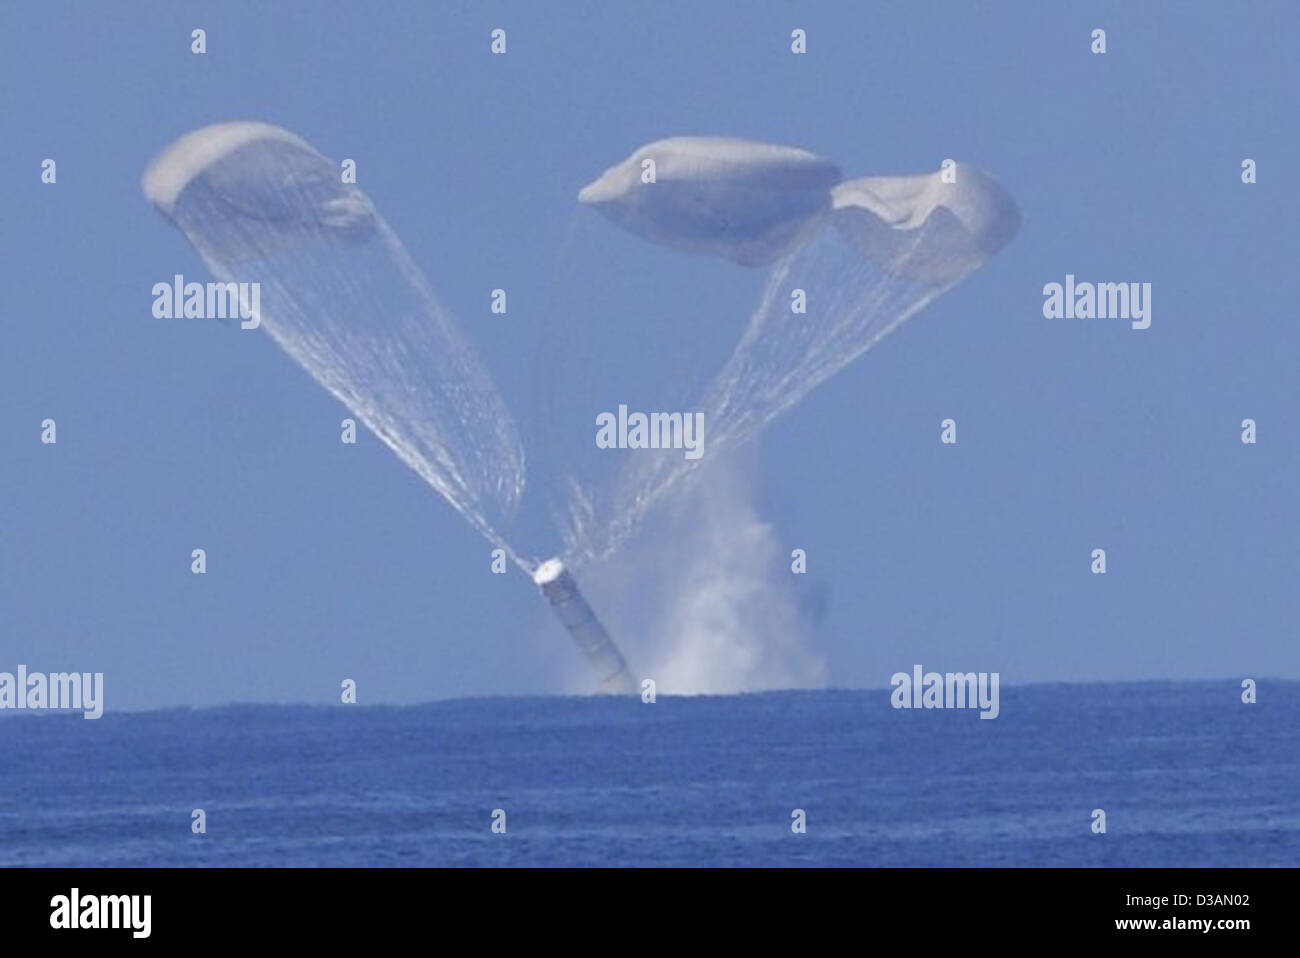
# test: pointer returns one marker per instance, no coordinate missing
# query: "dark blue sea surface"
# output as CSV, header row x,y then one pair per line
x,y
1186,773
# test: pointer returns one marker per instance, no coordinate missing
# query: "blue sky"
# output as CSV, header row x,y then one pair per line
x,y
328,561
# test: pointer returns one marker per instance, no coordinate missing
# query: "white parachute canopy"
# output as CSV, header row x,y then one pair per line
x,y
923,227
342,297
747,201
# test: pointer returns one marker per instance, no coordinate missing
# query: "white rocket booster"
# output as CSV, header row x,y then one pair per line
x,y
561,591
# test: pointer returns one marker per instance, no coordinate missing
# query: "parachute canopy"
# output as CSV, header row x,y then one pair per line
x,y
258,171
747,201
341,296
924,228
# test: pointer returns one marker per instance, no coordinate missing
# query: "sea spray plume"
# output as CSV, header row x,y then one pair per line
x,y
343,298
710,587
887,248
732,619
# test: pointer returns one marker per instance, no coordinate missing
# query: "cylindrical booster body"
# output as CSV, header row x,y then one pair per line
x,y
561,591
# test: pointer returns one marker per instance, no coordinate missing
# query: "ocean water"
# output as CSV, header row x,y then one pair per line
x,y
1186,773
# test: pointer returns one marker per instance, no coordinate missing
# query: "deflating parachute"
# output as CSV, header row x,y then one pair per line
x,y
922,227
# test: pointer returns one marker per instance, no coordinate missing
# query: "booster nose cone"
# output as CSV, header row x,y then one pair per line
x,y
548,572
